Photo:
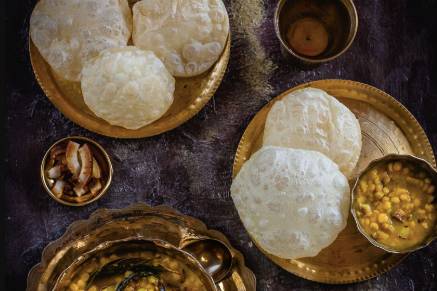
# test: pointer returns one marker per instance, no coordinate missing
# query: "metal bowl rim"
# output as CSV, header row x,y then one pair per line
x,y
370,166
353,26
103,152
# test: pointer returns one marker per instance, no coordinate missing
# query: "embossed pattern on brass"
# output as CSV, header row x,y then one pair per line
x,y
141,221
387,127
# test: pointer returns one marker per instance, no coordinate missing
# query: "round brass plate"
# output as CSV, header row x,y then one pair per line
x,y
387,127
191,94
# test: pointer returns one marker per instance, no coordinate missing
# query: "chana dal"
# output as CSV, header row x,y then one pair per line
x,y
394,204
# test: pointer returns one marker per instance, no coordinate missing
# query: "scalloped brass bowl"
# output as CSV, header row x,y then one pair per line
x,y
417,162
134,248
171,231
100,155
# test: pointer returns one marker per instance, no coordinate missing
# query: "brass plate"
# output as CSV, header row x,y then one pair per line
x,y
191,94
140,221
387,127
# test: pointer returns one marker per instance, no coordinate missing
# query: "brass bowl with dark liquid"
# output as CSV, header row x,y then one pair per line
x,y
312,32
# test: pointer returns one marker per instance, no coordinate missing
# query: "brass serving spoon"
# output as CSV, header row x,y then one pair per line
x,y
214,256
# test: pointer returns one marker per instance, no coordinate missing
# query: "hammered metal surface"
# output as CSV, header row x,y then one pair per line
x,y
141,221
387,127
191,94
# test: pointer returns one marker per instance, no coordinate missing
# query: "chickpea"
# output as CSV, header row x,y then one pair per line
x,y
400,191
430,189
395,200
372,187
74,287
361,200
379,195
386,179
385,198
409,206
382,218
386,205
379,187
417,202
85,276
405,197
429,207
397,166
365,221
385,190
405,171
93,288
366,208
390,167
388,227
425,225
363,186
430,199
81,283
374,226
427,180
374,173
382,235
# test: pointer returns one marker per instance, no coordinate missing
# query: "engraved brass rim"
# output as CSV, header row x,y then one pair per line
x,y
160,244
423,164
139,220
418,144
192,93
108,169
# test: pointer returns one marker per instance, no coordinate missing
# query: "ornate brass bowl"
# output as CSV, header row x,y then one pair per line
x,y
418,162
135,245
139,221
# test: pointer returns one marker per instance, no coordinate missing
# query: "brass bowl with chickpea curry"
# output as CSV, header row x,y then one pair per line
x,y
134,264
394,205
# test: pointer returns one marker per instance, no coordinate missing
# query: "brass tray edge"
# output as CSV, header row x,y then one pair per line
x,y
192,109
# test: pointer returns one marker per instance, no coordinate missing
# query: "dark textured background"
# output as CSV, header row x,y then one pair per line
x,y
189,168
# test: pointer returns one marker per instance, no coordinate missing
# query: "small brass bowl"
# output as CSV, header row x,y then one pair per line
x,y
417,162
99,154
332,24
